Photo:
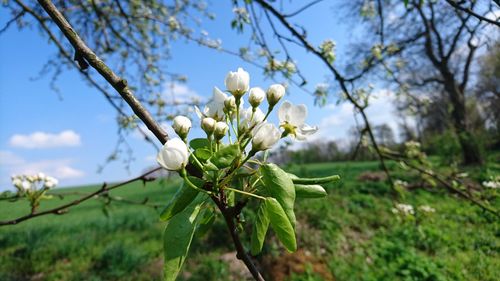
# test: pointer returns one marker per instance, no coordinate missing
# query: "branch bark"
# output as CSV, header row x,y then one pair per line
x,y
118,83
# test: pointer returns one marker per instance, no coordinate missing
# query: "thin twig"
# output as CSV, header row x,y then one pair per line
x,y
64,208
119,84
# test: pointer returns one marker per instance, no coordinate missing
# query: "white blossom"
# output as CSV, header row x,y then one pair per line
x,y
292,119
404,209
266,135
50,182
174,155
491,184
215,107
208,125
275,93
181,126
250,119
237,82
426,209
256,97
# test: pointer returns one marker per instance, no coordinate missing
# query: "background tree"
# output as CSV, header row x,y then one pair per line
x,y
429,47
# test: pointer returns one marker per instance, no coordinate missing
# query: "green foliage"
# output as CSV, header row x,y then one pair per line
x,y
177,239
279,185
310,191
281,224
182,198
226,156
260,227
352,230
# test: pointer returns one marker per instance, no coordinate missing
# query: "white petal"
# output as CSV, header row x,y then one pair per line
x,y
298,115
284,112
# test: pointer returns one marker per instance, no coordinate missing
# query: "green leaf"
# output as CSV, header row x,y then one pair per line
x,y
323,180
206,222
280,224
203,154
310,191
225,156
279,185
182,198
177,239
199,143
259,230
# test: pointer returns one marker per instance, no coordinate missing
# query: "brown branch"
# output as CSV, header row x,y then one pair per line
x,y
340,79
241,253
82,72
443,182
472,13
118,83
64,208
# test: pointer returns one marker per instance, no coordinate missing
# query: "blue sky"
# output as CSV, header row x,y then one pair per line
x,y
75,131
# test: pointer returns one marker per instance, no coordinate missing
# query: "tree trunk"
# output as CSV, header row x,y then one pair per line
x,y
470,148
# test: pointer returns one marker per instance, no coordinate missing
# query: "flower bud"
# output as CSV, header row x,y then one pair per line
x,y
275,93
237,82
265,137
257,95
221,129
174,155
181,126
208,125
230,104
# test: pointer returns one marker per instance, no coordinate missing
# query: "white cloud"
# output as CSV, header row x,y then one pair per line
x,y
179,93
61,169
46,140
337,124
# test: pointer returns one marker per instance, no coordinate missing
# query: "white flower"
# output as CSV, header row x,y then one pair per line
x,y
292,118
26,185
208,125
181,126
237,82
40,176
266,135
215,107
250,119
426,209
404,209
50,182
274,94
491,184
174,155
256,97
221,129
17,183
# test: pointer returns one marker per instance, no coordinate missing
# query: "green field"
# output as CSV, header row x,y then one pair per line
x,y
350,235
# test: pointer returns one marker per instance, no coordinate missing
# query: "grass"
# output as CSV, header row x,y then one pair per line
x,y
350,235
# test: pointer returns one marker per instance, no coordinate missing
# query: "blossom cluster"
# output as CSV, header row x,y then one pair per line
x,y
409,210
226,116
31,183
493,183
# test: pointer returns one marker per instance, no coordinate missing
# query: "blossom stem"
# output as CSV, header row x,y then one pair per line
x,y
246,193
238,101
186,179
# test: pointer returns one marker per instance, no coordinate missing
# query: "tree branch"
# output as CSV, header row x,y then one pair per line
x,y
472,13
340,79
64,208
241,254
118,83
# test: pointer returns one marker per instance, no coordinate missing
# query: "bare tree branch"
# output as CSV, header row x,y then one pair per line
x,y
64,208
118,83
472,13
